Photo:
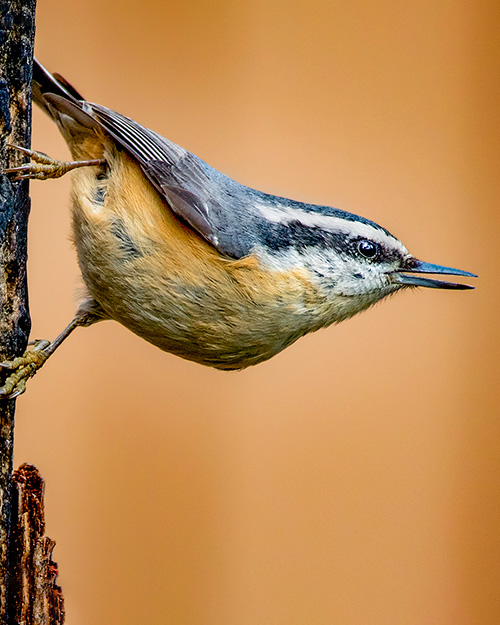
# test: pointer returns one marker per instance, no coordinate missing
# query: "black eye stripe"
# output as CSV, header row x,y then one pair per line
x,y
278,237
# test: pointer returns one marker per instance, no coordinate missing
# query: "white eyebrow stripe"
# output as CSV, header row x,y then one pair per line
x,y
332,223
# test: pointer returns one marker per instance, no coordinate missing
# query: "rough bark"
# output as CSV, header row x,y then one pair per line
x,y
28,594
17,32
35,598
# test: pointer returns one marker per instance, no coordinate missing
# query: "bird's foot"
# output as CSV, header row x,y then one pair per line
x,y
23,368
43,167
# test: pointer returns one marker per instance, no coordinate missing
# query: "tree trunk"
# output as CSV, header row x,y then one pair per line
x,y
27,590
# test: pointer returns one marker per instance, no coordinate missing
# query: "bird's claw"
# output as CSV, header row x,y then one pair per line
x,y
22,369
43,167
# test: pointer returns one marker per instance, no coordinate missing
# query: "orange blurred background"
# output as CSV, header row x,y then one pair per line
x,y
354,478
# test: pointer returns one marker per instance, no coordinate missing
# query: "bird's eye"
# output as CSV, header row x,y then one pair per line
x,y
368,249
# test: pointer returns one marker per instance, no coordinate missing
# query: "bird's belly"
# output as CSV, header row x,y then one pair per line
x,y
195,322
211,320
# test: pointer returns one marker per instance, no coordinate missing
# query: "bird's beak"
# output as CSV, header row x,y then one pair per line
x,y
418,266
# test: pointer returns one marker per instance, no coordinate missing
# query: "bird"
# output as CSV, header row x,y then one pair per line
x,y
191,260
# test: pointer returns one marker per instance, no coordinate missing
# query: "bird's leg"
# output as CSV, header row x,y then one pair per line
x,y
24,367
43,167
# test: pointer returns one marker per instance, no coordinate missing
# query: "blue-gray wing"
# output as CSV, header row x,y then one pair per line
x,y
211,203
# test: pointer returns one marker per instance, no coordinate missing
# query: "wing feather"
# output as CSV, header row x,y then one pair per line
x,y
216,207
176,174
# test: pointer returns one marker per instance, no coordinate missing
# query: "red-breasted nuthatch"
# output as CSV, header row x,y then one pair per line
x,y
194,262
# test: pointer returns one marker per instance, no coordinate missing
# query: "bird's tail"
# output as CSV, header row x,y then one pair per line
x,y
44,82
61,101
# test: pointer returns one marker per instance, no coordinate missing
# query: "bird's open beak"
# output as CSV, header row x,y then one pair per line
x,y
418,266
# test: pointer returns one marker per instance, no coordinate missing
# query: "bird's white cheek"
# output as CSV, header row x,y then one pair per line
x,y
353,286
360,282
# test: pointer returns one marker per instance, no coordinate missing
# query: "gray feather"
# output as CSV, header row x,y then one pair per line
x,y
225,213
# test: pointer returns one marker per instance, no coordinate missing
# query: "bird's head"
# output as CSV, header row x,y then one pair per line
x,y
356,261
